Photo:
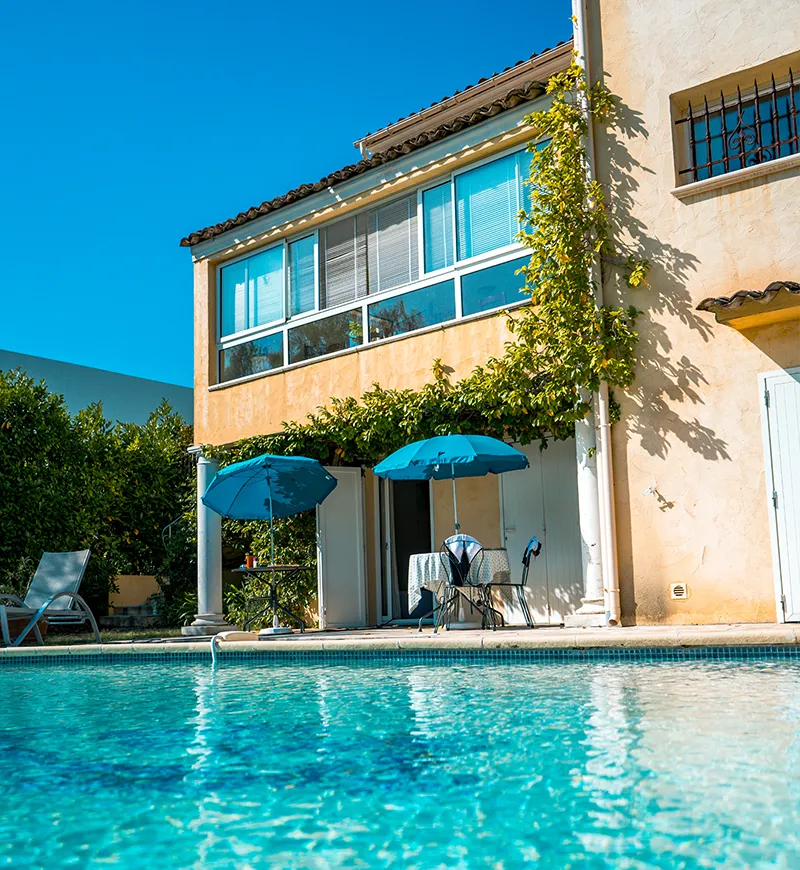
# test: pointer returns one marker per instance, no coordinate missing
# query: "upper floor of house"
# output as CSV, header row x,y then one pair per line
x,y
374,271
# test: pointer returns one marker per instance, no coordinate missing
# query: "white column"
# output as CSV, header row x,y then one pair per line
x,y
209,619
592,611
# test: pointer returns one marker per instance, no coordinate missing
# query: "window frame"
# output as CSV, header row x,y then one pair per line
x,y
467,265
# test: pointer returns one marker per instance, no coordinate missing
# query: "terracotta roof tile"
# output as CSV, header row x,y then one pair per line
x,y
510,100
731,303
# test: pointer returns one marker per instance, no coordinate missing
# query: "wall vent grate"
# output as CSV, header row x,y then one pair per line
x,y
678,591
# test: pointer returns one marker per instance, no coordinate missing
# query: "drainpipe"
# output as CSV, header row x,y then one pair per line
x,y
605,476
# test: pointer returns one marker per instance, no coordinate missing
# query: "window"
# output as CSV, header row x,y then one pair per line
x,y
437,227
301,275
313,295
409,311
492,287
252,291
252,357
328,335
488,200
740,130
371,252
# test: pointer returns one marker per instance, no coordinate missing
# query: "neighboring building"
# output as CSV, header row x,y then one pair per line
x,y
124,397
297,301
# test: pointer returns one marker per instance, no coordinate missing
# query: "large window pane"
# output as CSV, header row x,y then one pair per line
x,y
233,281
301,275
493,287
325,336
486,207
392,244
265,286
252,291
343,261
424,307
251,357
437,210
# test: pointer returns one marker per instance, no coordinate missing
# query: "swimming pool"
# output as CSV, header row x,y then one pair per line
x,y
460,764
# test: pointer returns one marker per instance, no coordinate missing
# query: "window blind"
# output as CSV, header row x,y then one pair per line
x,y
265,286
486,207
437,223
343,261
301,275
392,244
233,279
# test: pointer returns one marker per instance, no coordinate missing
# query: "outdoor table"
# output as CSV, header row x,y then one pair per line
x,y
275,574
428,571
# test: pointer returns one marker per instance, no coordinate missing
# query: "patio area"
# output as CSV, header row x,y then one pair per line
x,y
391,639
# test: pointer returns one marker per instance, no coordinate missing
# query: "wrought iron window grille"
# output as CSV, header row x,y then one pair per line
x,y
740,131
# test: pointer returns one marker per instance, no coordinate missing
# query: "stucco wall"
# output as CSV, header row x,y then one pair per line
x,y
691,425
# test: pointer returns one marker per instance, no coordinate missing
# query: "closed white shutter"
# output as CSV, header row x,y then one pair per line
x,y
392,244
343,272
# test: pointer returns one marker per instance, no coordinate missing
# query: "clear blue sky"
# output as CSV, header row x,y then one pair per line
x,y
127,126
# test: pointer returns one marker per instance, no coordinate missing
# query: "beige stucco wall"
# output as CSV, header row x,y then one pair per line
x,y
134,589
691,425
259,406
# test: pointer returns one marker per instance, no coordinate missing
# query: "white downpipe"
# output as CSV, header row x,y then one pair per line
x,y
605,477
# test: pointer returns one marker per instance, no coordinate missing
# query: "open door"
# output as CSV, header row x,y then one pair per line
x,y
340,553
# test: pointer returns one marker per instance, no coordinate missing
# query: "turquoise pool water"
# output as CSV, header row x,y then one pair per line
x,y
674,765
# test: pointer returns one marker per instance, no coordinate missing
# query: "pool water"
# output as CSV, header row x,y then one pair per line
x,y
401,765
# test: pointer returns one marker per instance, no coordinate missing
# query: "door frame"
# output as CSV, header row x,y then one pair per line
x,y
360,549
384,550
764,380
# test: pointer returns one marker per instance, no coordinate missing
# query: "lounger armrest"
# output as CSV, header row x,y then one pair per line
x,y
14,599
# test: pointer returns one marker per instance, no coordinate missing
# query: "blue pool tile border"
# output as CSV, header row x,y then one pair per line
x,y
761,653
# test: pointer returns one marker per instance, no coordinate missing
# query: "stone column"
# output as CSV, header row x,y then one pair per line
x,y
209,619
593,610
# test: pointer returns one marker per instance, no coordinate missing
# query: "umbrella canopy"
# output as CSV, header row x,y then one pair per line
x,y
450,456
243,491
268,488
447,456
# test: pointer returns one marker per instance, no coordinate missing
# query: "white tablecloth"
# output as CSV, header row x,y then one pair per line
x,y
427,571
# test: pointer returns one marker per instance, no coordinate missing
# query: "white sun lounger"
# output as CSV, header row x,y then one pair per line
x,y
53,594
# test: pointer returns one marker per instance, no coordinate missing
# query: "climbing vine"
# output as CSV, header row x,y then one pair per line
x,y
562,346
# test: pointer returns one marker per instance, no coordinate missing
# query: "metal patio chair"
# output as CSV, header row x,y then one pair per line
x,y
532,550
57,577
462,557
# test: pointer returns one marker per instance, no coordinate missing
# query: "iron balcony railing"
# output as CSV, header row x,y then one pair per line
x,y
739,131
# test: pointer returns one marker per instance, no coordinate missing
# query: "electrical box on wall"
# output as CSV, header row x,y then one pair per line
x,y
678,591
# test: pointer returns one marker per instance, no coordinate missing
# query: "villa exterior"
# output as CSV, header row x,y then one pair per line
x,y
408,256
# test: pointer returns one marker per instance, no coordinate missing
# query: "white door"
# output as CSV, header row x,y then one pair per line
x,y
782,445
340,553
542,500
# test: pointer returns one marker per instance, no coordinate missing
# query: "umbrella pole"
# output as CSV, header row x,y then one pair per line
x,y
455,503
275,622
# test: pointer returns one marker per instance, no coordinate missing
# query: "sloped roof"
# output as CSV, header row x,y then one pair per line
x,y
731,303
518,92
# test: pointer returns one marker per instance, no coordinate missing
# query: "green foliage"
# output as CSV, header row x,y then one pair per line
x,y
70,482
295,544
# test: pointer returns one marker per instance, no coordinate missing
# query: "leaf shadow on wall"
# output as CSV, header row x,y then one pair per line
x,y
666,381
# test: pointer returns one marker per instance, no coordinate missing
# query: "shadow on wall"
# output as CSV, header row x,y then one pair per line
x,y
657,408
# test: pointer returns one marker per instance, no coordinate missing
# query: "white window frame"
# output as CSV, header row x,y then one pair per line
x,y
474,263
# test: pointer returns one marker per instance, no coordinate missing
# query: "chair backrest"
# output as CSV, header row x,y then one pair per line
x,y
461,553
532,550
57,572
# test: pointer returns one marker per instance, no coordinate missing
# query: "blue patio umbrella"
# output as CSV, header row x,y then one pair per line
x,y
451,456
268,488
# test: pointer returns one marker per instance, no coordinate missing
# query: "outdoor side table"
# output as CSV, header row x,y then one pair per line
x,y
427,571
275,574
